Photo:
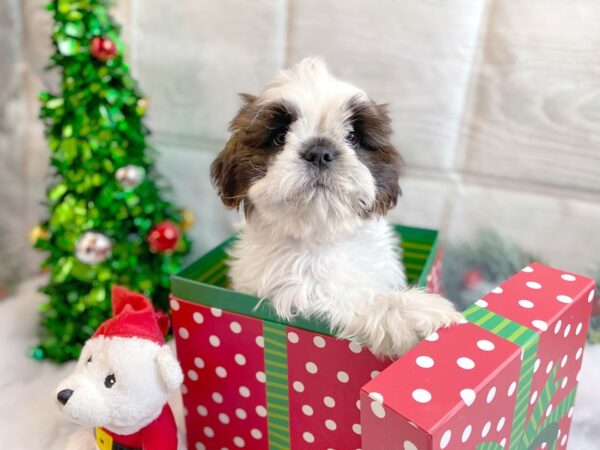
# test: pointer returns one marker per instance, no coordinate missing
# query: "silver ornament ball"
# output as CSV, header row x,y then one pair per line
x,y
130,176
93,247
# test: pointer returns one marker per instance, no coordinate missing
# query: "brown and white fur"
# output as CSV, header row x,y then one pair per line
x,y
311,163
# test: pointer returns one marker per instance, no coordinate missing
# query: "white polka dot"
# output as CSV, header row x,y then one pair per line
x,y
557,326
184,389
486,429
208,432
261,411
343,377
481,303
432,337
445,439
214,340
564,383
221,372
240,359
578,329
192,375
308,437
244,391
485,345
527,269
358,404
184,333
425,362
201,410
563,441
465,363
549,367
540,324
564,299
567,330
217,312
241,413
527,304
298,386
260,341
500,424
256,433
533,285
235,327
355,347
378,409
199,363
329,401
376,396
319,342
224,418
571,411
307,410
567,277
217,397
330,424
591,296
293,337
466,433
503,443
497,290
536,365
311,367
261,377
409,446
579,353
174,305
533,397
511,388
200,446
198,317
491,394
548,410
374,373
239,442
468,396
356,428
564,360
421,395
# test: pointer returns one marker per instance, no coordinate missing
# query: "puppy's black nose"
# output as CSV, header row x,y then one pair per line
x,y
64,396
320,155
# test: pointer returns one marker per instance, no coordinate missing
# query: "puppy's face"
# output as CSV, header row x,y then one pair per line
x,y
311,155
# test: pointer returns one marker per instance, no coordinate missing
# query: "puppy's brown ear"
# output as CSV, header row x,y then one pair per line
x,y
227,174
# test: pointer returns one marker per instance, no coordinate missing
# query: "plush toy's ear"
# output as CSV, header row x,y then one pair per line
x,y
169,368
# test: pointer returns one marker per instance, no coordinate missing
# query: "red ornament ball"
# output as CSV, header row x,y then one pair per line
x,y
163,236
103,49
472,278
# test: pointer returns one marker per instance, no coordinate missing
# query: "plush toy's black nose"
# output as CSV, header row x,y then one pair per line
x,y
319,154
64,396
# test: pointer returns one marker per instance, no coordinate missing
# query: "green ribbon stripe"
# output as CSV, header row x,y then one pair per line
x,y
525,434
278,422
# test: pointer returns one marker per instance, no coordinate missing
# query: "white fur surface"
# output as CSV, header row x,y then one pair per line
x,y
310,246
146,375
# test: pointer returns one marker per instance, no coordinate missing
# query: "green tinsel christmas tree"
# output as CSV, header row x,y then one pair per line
x,y
108,222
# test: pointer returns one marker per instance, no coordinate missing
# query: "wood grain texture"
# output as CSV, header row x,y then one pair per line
x,y
193,57
415,55
535,110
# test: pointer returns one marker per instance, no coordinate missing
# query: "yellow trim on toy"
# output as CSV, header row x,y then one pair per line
x,y
104,441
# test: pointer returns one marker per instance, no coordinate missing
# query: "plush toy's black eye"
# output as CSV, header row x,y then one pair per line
x,y
352,138
89,359
279,138
109,381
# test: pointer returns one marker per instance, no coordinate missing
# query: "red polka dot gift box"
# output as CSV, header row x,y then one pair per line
x,y
254,382
506,378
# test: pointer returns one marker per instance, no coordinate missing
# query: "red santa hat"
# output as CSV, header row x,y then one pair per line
x,y
134,316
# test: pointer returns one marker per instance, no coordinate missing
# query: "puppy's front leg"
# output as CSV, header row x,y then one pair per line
x,y
391,323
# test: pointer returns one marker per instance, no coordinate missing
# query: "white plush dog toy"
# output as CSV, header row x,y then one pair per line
x,y
123,380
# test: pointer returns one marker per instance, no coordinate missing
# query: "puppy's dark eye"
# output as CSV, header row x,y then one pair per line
x,y
89,360
279,138
109,381
352,138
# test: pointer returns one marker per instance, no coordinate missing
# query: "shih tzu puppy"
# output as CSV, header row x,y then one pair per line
x,y
311,164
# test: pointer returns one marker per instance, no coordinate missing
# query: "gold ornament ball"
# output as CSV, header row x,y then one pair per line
x,y
188,219
38,233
